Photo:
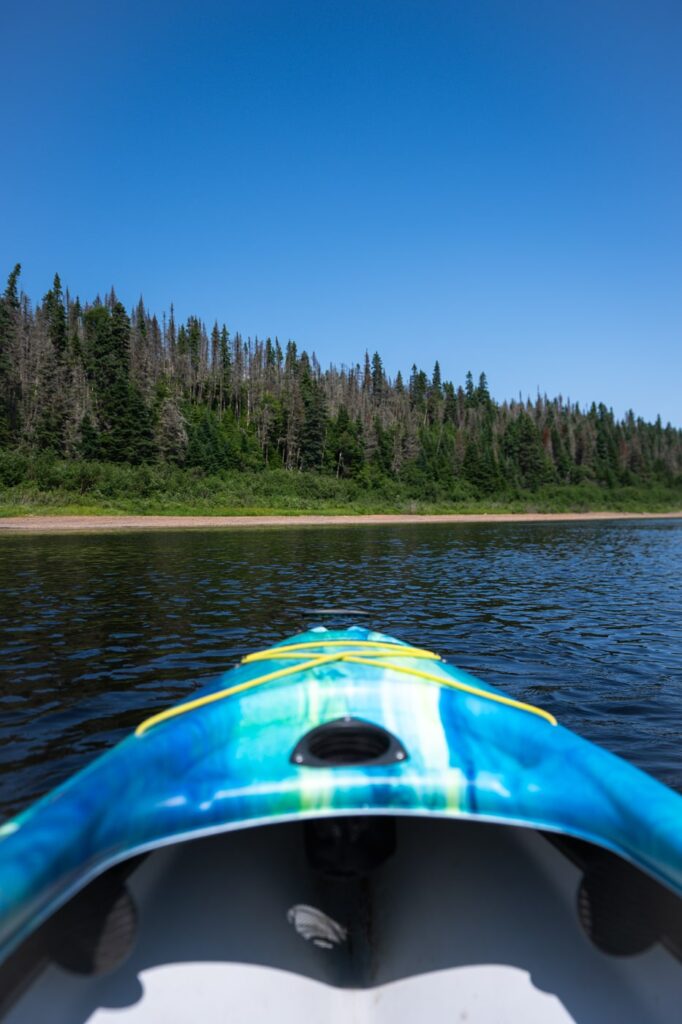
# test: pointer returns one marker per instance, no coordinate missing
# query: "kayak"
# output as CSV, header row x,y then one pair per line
x,y
346,826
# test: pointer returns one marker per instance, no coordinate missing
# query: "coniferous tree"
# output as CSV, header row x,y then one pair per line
x,y
9,385
377,377
469,389
89,447
312,432
436,383
482,393
225,368
56,317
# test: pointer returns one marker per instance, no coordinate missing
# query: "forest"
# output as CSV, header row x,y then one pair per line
x,y
99,403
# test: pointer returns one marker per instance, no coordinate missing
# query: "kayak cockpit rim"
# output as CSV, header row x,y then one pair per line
x,y
98,868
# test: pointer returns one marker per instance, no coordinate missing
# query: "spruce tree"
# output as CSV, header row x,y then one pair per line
x,y
469,390
482,392
225,368
9,387
88,445
312,432
367,375
436,380
377,377
53,304
124,422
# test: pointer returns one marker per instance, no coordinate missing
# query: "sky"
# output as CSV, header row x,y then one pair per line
x,y
496,184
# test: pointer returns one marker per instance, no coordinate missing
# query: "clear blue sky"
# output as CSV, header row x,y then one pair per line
x,y
494,184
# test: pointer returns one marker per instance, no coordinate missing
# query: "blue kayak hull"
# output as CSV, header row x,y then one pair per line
x,y
227,760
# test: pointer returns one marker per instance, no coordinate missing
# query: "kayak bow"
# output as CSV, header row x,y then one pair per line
x,y
331,724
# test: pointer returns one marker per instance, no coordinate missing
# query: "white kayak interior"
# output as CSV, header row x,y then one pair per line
x,y
463,922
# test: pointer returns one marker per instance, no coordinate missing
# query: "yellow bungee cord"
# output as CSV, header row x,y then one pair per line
x,y
355,652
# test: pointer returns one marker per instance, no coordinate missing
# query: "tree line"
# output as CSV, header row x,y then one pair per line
x,y
100,383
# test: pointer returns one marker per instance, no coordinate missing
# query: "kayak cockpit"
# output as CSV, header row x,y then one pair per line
x,y
382,916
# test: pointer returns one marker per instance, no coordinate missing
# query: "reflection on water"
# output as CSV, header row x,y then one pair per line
x,y
98,631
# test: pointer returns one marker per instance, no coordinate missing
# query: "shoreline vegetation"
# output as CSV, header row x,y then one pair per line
x,y
53,492
108,411
109,523
46,486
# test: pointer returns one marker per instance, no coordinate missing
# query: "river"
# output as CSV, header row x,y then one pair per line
x,y
97,631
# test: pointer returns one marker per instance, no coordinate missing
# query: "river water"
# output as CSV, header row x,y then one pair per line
x,y
98,631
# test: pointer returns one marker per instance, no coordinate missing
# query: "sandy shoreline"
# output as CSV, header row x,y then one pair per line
x,y
70,524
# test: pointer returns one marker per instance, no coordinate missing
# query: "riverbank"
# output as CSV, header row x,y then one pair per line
x,y
69,524
45,486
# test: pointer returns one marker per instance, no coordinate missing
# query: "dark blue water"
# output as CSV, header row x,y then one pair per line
x,y
98,631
